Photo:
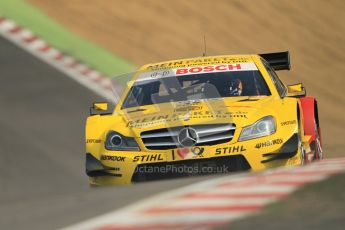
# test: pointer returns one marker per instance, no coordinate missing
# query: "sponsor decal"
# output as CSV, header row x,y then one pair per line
x,y
195,69
148,158
229,150
112,158
188,108
157,119
292,122
207,69
93,141
269,143
156,74
197,62
215,68
189,153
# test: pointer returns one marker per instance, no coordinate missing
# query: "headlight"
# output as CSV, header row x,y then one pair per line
x,y
263,127
116,141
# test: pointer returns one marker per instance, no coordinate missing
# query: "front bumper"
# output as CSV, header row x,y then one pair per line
x,y
118,167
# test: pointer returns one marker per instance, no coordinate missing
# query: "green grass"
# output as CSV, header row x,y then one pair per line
x,y
55,34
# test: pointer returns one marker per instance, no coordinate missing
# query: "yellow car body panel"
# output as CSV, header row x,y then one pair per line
x,y
120,166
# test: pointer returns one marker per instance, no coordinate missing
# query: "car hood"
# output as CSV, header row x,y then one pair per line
x,y
240,111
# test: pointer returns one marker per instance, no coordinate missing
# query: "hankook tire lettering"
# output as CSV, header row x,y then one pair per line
x,y
269,143
112,158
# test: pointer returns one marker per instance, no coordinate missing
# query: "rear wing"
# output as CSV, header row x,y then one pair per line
x,y
278,61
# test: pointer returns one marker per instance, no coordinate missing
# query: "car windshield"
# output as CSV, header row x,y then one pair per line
x,y
154,87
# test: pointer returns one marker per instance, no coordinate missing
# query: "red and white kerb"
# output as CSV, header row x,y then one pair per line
x,y
213,203
82,73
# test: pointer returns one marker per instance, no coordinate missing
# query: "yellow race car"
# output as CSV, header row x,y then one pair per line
x,y
202,115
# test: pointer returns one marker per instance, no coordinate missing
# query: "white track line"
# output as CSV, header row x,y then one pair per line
x,y
219,202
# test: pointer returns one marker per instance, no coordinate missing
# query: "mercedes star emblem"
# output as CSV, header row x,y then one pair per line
x,y
187,137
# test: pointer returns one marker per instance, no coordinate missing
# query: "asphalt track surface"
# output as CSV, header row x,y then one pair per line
x,y
42,180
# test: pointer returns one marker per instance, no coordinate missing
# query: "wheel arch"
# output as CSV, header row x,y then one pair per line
x,y
316,112
310,115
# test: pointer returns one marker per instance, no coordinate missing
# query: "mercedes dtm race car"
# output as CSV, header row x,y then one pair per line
x,y
202,115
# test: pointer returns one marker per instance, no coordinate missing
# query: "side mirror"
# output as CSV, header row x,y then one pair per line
x,y
296,90
99,108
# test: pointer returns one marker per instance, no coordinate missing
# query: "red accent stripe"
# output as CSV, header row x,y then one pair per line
x,y
246,183
305,173
267,181
30,39
227,208
15,29
107,86
290,183
234,195
58,57
98,79
266,178
163,226
45,48
250,183
86,71
72,64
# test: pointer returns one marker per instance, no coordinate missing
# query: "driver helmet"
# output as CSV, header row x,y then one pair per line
x,y
236,87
